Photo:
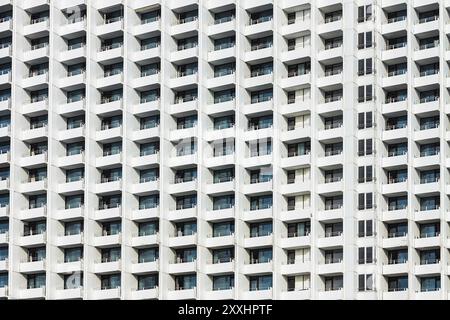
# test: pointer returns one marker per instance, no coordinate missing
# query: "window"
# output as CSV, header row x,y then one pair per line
x,y
365,40
148,202
365,228
185,282
365,255
73,254
364,13
260,283
365,147
365,93
365,201
147,282
225,282
365,120
366,282
148,255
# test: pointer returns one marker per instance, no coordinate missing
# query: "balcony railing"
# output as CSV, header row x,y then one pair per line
x,y
396,19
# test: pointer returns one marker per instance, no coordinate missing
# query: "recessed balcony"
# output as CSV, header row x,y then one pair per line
x,y
108,213
71,161
31,214
70,240
69,214
143,239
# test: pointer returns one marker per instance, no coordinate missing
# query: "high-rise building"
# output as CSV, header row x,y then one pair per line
x,y
224,149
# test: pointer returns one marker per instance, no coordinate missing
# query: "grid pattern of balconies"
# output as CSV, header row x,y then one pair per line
x,y
233,149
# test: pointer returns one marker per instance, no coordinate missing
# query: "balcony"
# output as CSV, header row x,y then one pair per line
x,y
266,294
142,240
257,187
182,240
183,159
296,267
35,107
296,294
108,106
331,212
32,240
331,266
395,53
183,55
427,214
69,294
110,54
33,213
257,214
182,213
334,239
71,108
295,214
180,186
145,187
258,240
69,267
107,240
146,26
183,107
295,241
69,240
109,134
146,107
257,268
107,294
108,213
145,294
395,214
184,28
220,214
32,293
36,54
394,25
108,160
114,26
259,54
72,55
182,267
295,54
108,186
145,214
333,294
220,187
37,28
219,241
145,267
147,54
70,213
35,82
395,267
259,27
4,211
222,26
222,54
219,267
182,294
146,81
71,135
145,160
107,267
426,51
222,294
71,161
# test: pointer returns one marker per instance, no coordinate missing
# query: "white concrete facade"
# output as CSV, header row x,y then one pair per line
x,y
224,149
